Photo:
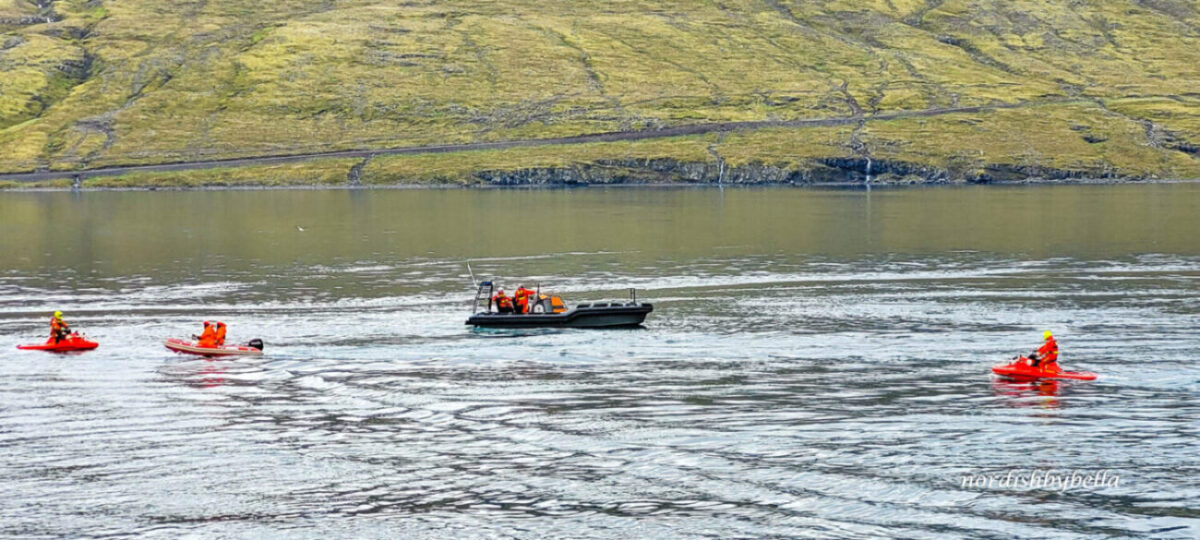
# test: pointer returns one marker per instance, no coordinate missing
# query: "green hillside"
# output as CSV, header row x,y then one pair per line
x,y
1105,88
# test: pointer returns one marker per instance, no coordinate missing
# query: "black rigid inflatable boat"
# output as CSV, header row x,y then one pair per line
x,y
551,312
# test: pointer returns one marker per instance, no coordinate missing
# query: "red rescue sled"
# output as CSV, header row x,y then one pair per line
x,y
1022,370
191,347
74,342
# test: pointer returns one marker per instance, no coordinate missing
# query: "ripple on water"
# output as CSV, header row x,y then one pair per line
x,y
813,400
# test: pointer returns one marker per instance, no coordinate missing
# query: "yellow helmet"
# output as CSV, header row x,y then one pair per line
x,y
1047,335
57,314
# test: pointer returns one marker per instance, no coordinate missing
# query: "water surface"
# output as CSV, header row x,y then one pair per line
x,y
817,364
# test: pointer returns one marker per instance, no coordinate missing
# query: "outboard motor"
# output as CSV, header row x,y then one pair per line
x,y
256,344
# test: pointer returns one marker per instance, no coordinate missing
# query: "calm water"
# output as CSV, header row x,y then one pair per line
x,y
817,364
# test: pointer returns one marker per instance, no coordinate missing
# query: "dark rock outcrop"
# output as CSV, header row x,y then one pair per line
x,y
841,170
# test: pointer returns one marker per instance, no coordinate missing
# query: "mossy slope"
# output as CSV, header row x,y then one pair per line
x,y
92,83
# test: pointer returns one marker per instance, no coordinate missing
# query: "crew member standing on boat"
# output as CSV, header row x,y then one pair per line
x,y
58,327
219,339
503,303
522,296
1046,355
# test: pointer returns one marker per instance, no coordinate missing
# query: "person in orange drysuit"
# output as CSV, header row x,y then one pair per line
x,y
503,303
59,330
1047,355
522,297
219,338
209,337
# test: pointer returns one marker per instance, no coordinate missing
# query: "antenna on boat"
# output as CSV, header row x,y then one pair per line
x,y
478,289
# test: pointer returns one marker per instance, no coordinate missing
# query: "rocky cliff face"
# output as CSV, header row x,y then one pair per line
x,y
832,171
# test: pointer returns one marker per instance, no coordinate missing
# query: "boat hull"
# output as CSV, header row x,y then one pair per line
x,y
1022,371
73,343
582,316
191,347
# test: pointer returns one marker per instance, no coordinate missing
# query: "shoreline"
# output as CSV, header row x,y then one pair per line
x,y
805,153
821,186
684,130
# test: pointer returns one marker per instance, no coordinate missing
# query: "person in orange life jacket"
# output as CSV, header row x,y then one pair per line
x,y
503,303
1047,354
523,297
209,337
59,330
219,338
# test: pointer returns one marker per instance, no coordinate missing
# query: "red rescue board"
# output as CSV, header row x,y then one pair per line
x,y
74,342
1021,370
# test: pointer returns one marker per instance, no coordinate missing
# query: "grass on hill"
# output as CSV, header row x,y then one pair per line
x,y
92,83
